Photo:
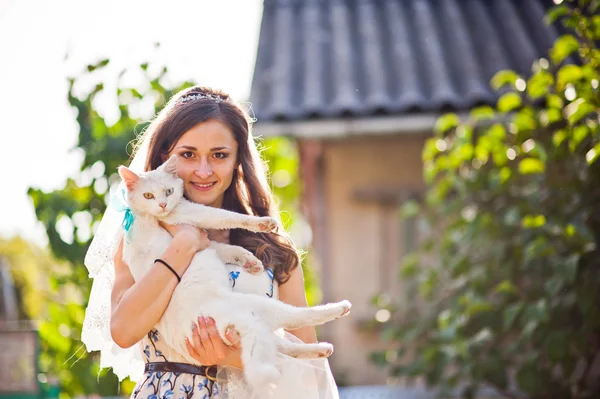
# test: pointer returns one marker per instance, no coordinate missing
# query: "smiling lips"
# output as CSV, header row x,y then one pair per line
x,y
203,186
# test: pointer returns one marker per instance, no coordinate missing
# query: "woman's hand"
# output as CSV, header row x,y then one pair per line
x,y
196,238
209,349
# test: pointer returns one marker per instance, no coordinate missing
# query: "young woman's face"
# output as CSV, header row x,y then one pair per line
x,y
206,159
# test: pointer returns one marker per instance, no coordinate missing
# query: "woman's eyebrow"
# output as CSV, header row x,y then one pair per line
x,y
187,147
191,148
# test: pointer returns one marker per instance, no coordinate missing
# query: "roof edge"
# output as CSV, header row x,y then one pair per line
x,y
347,127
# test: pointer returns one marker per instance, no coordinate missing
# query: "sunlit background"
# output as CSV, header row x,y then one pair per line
x,y
41,43
438,161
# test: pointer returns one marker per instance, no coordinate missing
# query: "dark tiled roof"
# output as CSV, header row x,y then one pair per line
x,y
331,58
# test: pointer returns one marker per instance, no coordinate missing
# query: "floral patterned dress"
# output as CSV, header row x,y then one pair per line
x,y
174,385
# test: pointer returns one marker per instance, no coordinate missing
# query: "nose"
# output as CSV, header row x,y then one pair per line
x,y
204,170
163,205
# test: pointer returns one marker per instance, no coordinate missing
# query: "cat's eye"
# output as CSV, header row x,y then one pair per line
x,y
169,192
148,195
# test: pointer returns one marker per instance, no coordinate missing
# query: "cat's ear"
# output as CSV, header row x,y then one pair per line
x,y
129,177
170,166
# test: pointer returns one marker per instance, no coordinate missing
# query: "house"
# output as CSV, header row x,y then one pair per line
x,y
359,84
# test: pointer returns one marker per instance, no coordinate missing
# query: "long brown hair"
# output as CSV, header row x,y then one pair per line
x,y
249,192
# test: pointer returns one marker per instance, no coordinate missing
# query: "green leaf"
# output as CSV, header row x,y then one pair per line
x,y
556,12
592,154
536,312
557,346
563,47
446,122
98,65
410,209
505,174
430,150
554,101
567,268
524,120
578,110
504,77
509,101
506,287
410,266
568,74
580,133
539,84
528,379
533,221
554,285
510,315
530,166
481,113
559,137
477,307
550,116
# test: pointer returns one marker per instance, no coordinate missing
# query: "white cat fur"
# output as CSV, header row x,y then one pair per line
x,y
204,289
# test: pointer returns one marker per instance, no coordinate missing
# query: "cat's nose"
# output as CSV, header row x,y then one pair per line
x,y
163,205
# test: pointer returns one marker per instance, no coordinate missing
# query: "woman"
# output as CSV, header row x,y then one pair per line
x,y
220,167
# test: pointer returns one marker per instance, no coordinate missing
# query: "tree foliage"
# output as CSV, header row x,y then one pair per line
x,y
504,290
71,214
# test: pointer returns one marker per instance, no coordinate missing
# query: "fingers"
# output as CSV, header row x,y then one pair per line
x,y
207,346
197,340
205,340
221,350
192,351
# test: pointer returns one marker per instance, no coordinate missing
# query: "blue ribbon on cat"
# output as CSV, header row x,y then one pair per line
x,y
120,205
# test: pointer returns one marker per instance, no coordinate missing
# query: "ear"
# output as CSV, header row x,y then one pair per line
x,y
170,166
129,177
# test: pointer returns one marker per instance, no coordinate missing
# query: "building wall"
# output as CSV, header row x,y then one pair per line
x,y
364,240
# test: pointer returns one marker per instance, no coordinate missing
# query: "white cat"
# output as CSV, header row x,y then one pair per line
x,y
204,288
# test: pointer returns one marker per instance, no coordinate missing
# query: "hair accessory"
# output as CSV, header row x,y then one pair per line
x,y
169,267
119,203
197,96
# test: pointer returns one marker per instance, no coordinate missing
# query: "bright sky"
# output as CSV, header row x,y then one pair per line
x,y
212,42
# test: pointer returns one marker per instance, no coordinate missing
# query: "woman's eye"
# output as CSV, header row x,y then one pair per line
x,y
169,191
148,195
221,155
187,154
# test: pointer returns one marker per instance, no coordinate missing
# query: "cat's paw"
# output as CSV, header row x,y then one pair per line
x,y
320,350
267,224
326,350
345,307
264,224
248,261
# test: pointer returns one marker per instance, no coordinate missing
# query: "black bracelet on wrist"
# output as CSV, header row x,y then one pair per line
x,y
170,268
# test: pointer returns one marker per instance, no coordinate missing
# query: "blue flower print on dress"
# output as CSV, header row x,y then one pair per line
x,y
169,385
233,276
186,388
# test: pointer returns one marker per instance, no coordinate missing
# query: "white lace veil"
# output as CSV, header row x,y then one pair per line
x,y
99,262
